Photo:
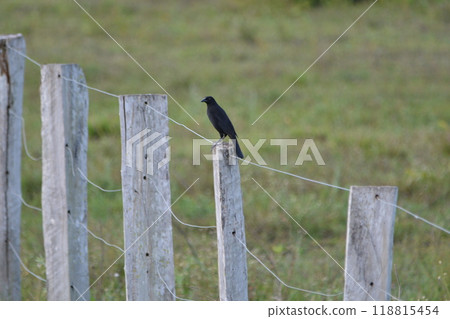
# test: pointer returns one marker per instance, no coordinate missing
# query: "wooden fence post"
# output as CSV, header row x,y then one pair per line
x,y
149,264
64,112
12,67
232,256
370,235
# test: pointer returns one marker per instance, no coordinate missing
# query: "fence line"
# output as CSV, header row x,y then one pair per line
x,y
243,160
253,255
294,175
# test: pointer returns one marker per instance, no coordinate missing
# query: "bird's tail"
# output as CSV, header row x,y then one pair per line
x,y
238,149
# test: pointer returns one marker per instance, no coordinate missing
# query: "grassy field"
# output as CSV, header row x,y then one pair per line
x,y
377,106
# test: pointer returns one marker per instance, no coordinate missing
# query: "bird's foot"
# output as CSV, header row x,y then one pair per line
x,y
218,142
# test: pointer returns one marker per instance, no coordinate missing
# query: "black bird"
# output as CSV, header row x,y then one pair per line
x,y
221,122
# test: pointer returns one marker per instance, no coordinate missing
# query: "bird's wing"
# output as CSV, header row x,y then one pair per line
x,y
225,123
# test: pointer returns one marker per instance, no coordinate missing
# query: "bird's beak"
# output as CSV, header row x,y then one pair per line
x,y
204,100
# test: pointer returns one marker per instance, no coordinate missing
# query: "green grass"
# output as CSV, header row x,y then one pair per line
x,y
376,105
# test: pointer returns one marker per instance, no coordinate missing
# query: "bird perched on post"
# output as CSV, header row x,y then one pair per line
x,y
219,119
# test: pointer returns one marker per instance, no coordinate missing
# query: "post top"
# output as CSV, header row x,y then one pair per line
x,y
149,95
10,36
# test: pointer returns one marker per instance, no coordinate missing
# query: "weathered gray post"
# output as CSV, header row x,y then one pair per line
x,y
149,264
64,112
230,224
12,67
370,235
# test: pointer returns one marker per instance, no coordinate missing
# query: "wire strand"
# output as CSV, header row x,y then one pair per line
x,y
23,55
77,291
315,61
139,237
95,185
173,214
133,59
168,289
24,136
23,265
281,281
415,216
74,222
252,163
26,204
311,237
89,87
94,235
85,177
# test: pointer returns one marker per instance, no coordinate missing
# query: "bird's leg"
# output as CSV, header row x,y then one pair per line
x,y
220,140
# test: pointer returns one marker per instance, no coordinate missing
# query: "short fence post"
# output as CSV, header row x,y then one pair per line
x,y
149,264
232,257
370,235
12,67
64,112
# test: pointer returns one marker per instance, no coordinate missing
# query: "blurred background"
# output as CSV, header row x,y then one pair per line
x,y
376,105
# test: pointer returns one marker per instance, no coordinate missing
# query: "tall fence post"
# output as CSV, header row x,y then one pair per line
x,y
370,236
232,257
64,112
12,67
149,264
